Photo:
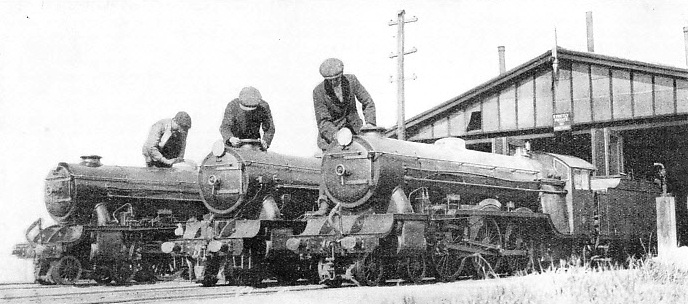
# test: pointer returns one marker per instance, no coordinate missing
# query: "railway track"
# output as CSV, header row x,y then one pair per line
x,y
138,293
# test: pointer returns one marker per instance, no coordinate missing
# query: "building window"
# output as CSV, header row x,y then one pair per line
x,y
476,121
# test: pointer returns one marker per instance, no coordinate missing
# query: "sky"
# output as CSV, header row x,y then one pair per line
x,y
91,77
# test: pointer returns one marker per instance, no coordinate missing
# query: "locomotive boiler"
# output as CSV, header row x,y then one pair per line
x,y
111,221
256,198
411,210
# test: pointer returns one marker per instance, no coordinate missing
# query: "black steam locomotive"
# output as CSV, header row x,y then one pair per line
x,y
411,210
256,197
111,222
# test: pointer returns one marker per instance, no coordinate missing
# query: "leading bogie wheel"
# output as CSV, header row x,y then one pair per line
x,y
370,269
66,271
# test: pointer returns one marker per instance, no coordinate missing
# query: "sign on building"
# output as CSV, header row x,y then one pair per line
x,y
562,122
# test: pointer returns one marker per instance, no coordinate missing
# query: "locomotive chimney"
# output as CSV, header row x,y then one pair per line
x,y
588,23
502,60
91,161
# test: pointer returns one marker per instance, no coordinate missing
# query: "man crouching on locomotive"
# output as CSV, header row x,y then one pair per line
x,y
167,141
244,117
334,101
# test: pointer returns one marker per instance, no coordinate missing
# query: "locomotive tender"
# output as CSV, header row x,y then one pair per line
x,y
256,198
411,210
111,221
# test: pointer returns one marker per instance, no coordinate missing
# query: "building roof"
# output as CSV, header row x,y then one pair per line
x,y
537,62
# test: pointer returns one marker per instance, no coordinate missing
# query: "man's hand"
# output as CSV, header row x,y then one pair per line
x,y
234,141
264,144
173,161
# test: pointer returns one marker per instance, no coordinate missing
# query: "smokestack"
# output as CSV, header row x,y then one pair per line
x,y
502,61
588,23
685,36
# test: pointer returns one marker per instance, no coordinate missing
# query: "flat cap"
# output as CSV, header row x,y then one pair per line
x,y
331,68
183,120
249,97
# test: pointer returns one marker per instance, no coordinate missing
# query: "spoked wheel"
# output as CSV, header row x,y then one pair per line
x,y
102,275
447,263
66,271
370,269
514,239
123,272
415,268
485,232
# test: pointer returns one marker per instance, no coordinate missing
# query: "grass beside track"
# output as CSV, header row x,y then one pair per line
x,y
645,281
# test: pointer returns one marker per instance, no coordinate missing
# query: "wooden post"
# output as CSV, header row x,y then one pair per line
x,y
401,120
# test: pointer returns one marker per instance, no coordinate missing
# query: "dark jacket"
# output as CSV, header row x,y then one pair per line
x,y
163,143
244,124
332,115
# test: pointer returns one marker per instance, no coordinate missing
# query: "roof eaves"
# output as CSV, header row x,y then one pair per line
x,y
480,89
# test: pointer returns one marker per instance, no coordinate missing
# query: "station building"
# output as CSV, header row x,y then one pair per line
x,y
623,116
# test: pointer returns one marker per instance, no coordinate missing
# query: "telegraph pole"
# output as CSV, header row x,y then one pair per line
x,y
401,124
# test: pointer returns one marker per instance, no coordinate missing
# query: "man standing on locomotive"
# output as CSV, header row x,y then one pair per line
x,y
166,141
334,101
245,116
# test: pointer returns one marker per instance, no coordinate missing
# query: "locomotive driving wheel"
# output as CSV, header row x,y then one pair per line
x,y
485,233
515,239
448,263
370,270
66,271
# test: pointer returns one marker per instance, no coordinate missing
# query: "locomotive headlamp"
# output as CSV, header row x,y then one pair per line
x,y
168,247
293,244
215,246
218,148
345,136
349,242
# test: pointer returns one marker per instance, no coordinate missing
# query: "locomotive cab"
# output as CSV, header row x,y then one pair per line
x,y
566,212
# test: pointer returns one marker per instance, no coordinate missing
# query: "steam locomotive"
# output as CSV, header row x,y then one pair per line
x,y
111,221
256,198
412,210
